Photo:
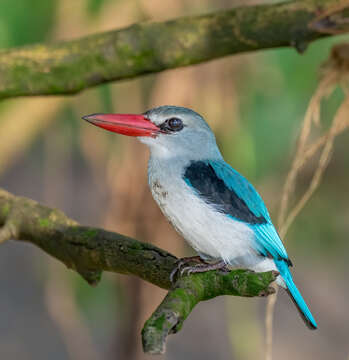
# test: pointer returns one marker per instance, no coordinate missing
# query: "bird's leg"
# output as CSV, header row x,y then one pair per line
x,y
204,267
189,259
184,261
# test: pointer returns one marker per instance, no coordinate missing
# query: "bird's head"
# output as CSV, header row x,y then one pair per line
x,y
167,130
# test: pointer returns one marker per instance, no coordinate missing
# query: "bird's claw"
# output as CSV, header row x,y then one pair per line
x,y
173,273
198,268
187,269
178,269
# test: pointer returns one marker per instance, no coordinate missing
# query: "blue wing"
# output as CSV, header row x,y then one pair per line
x,y
223,187
229,192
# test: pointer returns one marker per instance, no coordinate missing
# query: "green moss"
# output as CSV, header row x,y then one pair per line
x,y
159,322
93,277
44,222
89,233
5,210
181,296
151,47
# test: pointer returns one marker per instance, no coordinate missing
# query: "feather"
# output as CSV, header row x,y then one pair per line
x,y
296,295
223,187
218,189
228,191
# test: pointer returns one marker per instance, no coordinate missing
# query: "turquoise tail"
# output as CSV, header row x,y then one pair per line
x,y
296,295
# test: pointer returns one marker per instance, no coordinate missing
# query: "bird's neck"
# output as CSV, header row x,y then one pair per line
x,y
180,155
169,166
170,163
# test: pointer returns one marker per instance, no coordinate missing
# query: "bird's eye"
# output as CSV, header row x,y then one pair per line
x,y
172,124
175,124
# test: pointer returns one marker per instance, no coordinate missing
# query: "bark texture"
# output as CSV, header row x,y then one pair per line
x,y
90,251
149,47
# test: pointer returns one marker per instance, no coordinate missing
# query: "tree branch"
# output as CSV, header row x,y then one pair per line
x,y
168,318
69,67
89,251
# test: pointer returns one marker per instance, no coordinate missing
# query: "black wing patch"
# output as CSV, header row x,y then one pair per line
x,y
203,178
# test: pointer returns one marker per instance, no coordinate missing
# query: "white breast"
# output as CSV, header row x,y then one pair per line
x,y
209,232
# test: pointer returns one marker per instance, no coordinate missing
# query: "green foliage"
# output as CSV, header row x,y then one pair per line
x,y
274,101
94,7
24,22
274,106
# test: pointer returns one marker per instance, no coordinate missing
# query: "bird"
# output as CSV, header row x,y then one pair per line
x,y
211,205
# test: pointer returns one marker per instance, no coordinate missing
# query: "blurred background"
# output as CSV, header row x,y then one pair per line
x,y
255,103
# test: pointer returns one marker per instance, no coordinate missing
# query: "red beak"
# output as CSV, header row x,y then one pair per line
x,y
125,124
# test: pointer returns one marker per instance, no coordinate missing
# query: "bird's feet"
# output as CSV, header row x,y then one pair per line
x,y
180,265
201,266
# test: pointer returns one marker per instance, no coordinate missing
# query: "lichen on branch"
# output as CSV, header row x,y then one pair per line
x,y
169,316
71,66
89,251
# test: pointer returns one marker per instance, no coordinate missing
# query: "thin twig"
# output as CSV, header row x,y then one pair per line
x,y
269,316
318,144
312,116
333,74
325,157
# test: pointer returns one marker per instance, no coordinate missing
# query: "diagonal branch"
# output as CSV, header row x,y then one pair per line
x,y
90,251
87,250
168,318
69,67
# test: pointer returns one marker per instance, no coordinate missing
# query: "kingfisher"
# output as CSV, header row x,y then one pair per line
x,y
213,207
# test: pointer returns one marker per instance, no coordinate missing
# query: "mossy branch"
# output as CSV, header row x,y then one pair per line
x,y
168,318
69,67
89,251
